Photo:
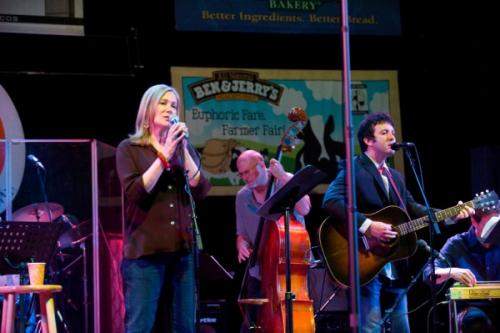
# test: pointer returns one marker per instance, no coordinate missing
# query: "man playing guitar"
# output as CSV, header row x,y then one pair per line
x,y
378,186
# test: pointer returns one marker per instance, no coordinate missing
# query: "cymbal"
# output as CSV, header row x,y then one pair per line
x,y
38,212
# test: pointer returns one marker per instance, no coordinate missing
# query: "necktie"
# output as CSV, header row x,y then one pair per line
x,y
389,269
384,171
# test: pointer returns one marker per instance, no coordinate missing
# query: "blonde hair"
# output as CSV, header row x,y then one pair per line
x,y
145,114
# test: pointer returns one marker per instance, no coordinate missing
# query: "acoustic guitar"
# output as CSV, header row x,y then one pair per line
x,y
374,254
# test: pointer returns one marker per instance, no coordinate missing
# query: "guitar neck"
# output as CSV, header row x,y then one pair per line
x,y
422,222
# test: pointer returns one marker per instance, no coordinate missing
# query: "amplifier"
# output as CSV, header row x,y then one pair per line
x,y
212,316
325,293
332,321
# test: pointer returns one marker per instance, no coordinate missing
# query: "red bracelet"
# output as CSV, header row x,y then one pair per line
x,y
163,160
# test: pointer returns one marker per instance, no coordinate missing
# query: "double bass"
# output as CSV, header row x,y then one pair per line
x,y
269,253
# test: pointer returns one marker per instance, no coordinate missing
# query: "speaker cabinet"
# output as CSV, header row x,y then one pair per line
x,y
325,292
212,316
332,321
330,303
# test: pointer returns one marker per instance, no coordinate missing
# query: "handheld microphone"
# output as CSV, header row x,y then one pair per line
x,y
174,120
402,145
424,246
35,161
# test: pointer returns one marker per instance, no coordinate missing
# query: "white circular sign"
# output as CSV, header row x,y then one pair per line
x,y
10,128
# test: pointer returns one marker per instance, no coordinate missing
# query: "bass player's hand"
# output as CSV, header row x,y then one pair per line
x,y
244,248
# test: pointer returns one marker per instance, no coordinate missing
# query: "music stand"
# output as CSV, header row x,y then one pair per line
x,y
281,203
22,242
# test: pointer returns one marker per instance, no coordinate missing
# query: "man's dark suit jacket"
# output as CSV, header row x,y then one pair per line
x,y
370,194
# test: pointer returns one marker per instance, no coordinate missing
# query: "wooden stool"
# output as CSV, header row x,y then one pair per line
x,y
47,310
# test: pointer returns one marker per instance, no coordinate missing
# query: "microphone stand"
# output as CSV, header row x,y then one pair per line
x,y
433,230
41,178
355,315
388,312
197,243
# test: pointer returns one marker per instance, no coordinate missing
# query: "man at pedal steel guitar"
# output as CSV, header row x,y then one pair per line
x,y
468,260
377,186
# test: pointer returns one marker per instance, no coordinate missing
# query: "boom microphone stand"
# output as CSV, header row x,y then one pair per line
x,y
40,169
41,172
383,323
389,311
434,227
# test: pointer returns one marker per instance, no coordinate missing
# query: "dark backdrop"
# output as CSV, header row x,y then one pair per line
x,y
89,87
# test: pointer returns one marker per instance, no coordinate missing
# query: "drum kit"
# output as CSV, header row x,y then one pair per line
x,y
53,212
39,212
68,266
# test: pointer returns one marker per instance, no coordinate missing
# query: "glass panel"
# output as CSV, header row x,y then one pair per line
x,y
72,183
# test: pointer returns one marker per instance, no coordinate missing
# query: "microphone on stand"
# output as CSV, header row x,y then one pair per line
x,y
402,145
35,161
174,120
41,176
179,150
424,246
